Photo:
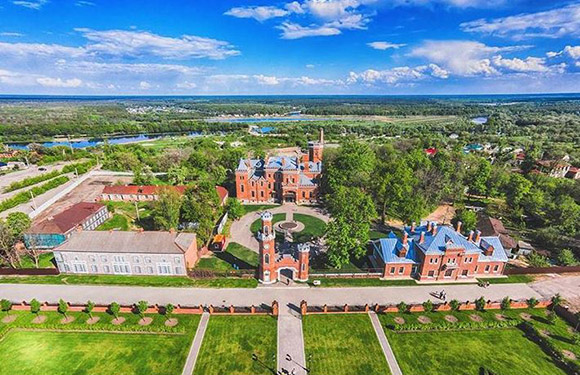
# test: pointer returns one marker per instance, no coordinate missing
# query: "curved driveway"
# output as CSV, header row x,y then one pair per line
x,y
240,230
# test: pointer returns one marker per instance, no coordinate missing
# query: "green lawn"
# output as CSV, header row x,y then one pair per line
x,y
332,282
257,207
511,279
313,228
503,351
243,253
235,253
129,212
467,350
44,261
159,281
257,224
230,341
116,222
375,234
63,351
342,345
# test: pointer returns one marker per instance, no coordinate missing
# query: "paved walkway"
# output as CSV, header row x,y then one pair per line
x,y
240,230
290,341
196,345
244,297
567,286
389,355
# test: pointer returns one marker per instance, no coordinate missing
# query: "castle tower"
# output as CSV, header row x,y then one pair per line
x,y
267,241
303,261
315,148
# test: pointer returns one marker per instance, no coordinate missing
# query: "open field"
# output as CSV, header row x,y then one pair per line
x,y
235,254
230,341
54,348
342,345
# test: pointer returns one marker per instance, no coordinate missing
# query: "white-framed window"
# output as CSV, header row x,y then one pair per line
x,y
103,259
177,260
58,257
107,269
94,268
267,258
121,268
392,271
147,259
137,269
431,274
496,268
136,259
164,268
92,258
401,270
66,267
150,270
178,270
487,269
79,267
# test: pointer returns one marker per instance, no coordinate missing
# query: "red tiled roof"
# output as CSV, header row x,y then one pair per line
x,y
68,219
138,189
223,193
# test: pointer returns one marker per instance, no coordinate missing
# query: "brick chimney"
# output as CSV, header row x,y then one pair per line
x,y
470,238
434,229
413,225
422,238
477,235
403,251
429,224
405,238
489,251
458,227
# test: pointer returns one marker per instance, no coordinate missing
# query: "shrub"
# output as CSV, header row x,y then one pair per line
x,y
142,306
480,304
62,307
556,301
428,306
506,303
169,309
34,306
5,305
114,309
403,307
532,302
89,308
552,317
454,304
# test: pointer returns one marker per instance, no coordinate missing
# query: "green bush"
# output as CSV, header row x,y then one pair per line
x,y
31,181
428,306
480,304
448,326
506,303
5,305
403,307
26,196
454,304
34,306
532,302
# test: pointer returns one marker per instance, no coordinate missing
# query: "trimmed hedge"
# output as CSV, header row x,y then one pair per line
x,y
81,168
31,181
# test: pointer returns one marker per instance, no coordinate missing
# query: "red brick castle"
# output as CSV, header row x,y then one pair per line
x,y
280,179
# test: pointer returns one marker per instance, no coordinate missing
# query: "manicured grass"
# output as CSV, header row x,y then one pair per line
x,y
235,253
257,207
44,261
230,341
60,350
243,253
503,351
127,210
257,224
358,282
154,281
117,222
342,345
313,228
466,343
511,279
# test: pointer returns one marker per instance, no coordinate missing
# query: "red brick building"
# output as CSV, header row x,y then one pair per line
x,y
292,263
280,179
145,193
439,253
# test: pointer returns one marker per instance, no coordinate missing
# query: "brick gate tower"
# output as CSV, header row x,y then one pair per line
x,y
294,258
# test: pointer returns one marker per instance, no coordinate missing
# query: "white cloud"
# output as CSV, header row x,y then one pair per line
x,y
186,85
530,64
385,45
295,31
259,13
571,51
58,82
31,4
553,23
144,85
397,75
437,71
38,49
310,66
90,67
267,80
294,7
142,43
83,3
11,34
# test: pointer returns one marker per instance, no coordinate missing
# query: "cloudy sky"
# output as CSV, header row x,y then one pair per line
x,y
200,47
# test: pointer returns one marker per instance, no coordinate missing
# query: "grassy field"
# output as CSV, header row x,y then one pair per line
x,y
257,224
44,261
116,222
61,350
342,345
128,211
230,341
332,282
511,279
313,228
501,350
153,281
235,253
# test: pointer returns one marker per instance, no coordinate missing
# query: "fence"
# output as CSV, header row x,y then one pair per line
x,y
362,273
467,305
29,272
539,270
160,309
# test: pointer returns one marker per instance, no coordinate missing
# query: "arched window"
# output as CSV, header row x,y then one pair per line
x,y
242,188
267,259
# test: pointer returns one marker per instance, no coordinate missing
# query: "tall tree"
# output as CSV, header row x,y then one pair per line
x,y
166,209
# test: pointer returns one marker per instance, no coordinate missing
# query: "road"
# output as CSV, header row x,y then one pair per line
x,y
260,295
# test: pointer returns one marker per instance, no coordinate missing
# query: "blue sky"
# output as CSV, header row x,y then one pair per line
x,y
201,47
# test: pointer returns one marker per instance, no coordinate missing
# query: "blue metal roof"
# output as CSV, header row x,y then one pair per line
x,y
388,249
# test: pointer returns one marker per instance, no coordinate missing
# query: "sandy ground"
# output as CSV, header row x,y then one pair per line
x,y
89,191
442,215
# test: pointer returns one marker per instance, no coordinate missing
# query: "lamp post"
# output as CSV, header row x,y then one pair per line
x,y
256,359
290,359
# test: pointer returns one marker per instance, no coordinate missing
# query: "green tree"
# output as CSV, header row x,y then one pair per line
x,y
234,208
566,258
467,217
201,206
480,304
62,307
537,260
169,310
339,241
8,252
167,208
18,222
5,305
516,189
556,301
177,174
402,307
428,306
532,302
114,309
89,307
506,304
142,307
34,306
454,304
479,178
